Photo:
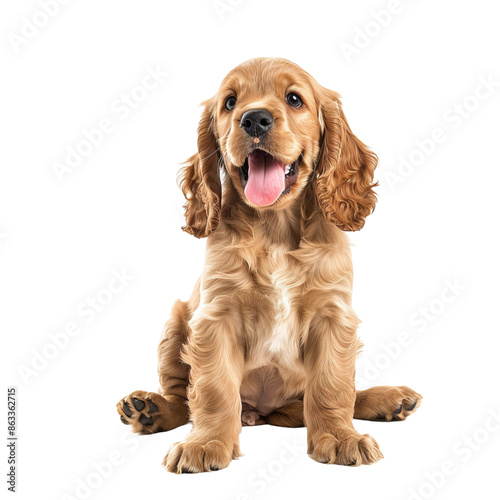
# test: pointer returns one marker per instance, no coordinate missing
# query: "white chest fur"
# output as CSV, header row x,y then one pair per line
x,y
283,342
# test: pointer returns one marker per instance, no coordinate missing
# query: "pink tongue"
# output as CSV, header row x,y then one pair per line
x,y
266,178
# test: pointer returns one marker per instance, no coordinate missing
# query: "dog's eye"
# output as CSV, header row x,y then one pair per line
x,y
294,100
230,102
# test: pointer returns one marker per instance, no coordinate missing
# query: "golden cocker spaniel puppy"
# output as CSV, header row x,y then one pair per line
x,y
269,334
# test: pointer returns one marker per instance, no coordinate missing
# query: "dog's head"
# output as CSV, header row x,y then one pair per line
x,y
275,130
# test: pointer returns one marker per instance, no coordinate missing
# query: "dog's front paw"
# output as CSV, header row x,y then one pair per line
x,y
344,447
195,456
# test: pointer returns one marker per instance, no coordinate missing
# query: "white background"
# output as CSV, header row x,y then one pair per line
x,y
120,208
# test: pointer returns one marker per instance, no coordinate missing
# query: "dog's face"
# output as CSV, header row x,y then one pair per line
x,y
266,118
275,130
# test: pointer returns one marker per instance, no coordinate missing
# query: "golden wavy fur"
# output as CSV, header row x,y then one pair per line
x,y
269,334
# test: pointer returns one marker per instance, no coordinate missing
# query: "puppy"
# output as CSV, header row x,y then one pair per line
x,y
269,334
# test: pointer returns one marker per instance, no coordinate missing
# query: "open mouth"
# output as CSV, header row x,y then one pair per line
x,y
265,179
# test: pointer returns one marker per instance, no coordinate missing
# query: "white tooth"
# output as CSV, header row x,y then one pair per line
x,y
287,169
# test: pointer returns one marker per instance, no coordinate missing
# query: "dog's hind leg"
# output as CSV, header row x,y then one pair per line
x,y
386,403
149,412
382,403
290,415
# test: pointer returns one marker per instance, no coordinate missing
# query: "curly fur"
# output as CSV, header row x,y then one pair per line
x,y
344,185
200,182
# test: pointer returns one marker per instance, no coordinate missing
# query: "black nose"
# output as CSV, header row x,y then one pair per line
x,y
257,122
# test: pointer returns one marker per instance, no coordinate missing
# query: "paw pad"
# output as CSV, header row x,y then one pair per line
x,y
126,409
405,407
411,407
398,410
145,420
139,405
139,410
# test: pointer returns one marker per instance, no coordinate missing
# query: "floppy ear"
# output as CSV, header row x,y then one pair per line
x,y
344,183
200,181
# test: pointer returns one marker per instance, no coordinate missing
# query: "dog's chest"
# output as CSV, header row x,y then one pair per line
x,y
279,333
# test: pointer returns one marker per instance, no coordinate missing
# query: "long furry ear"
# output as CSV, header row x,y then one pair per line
x,y
344,183
200,182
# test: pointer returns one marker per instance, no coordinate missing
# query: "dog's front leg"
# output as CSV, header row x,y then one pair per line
x,y
329,357
216,359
